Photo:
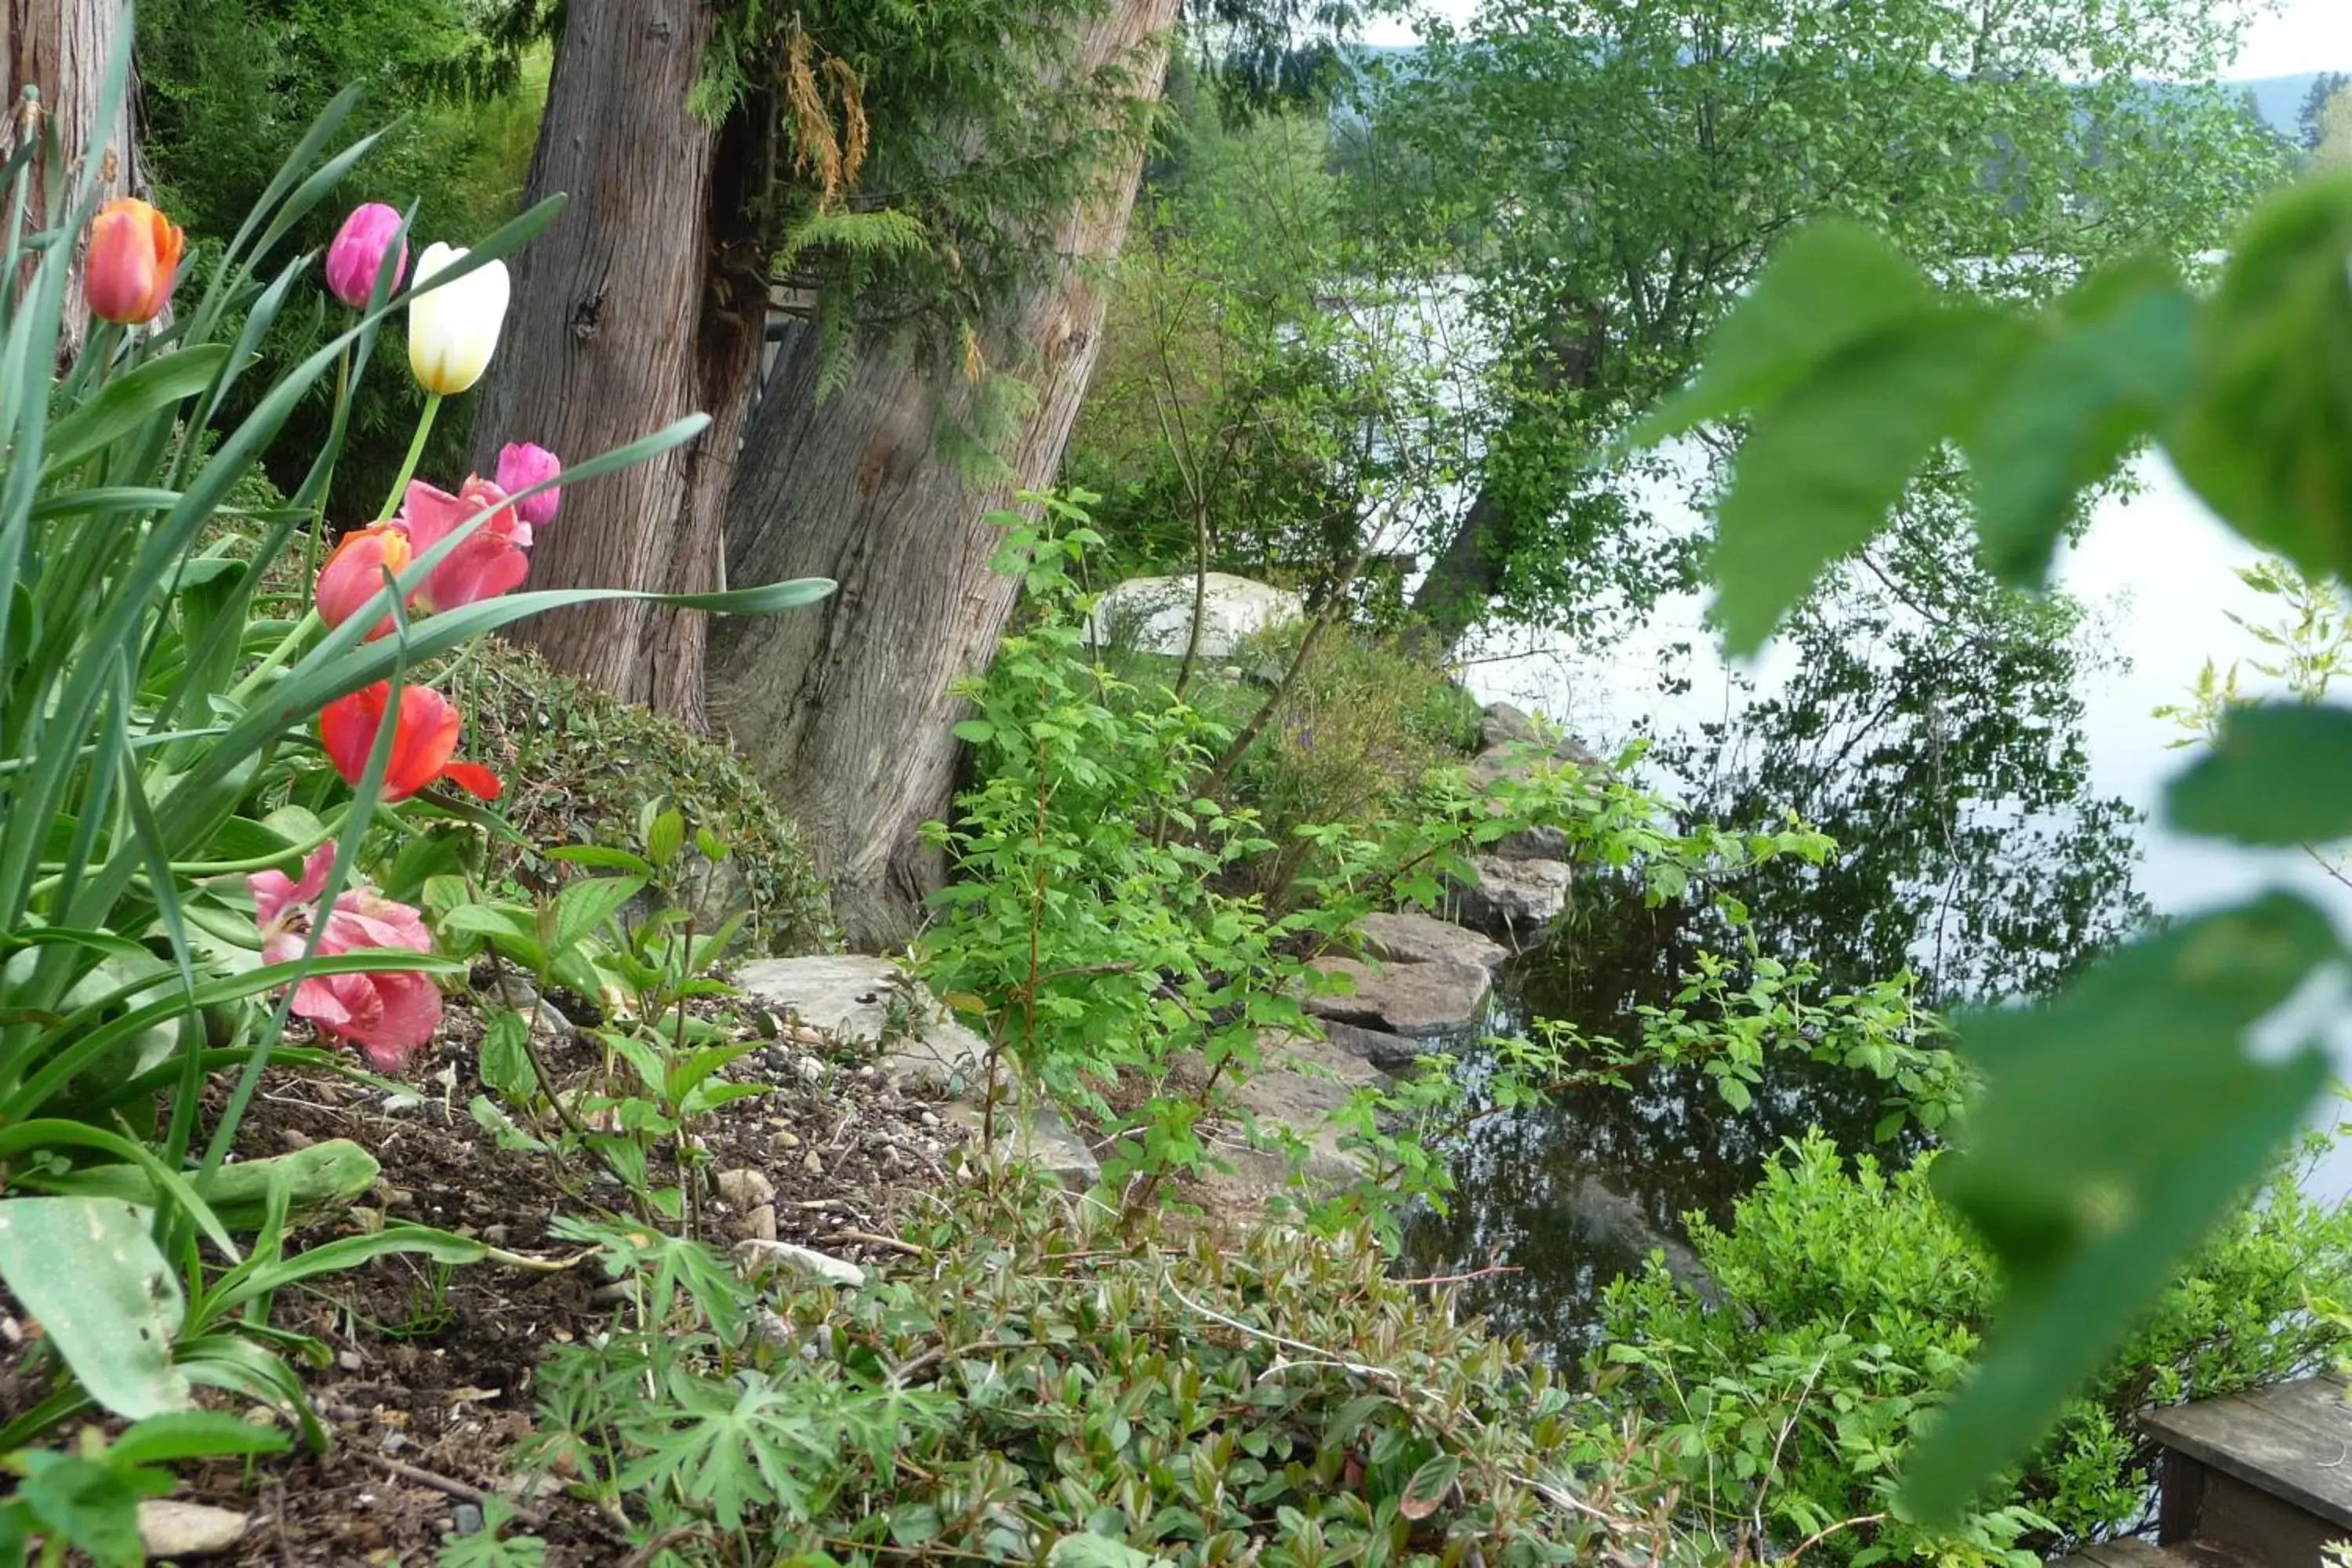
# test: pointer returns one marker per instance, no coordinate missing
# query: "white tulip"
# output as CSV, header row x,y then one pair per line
x,y
453,330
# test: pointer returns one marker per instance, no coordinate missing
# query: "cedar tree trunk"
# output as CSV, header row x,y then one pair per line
x,y
60,46
642,304
845,708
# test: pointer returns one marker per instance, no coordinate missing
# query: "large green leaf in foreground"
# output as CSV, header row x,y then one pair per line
x,y
2121,1121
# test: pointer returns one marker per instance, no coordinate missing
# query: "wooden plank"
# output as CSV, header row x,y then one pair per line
x,y
2287,1441
2131,1551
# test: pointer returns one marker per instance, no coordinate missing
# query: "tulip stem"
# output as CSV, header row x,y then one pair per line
x,y
319,511
416,454
278,656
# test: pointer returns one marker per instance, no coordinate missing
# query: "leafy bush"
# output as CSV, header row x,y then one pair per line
x,y
1852,1303
1045,1388
581,766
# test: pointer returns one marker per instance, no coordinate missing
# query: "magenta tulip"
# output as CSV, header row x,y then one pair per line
x,y
359,251
522,465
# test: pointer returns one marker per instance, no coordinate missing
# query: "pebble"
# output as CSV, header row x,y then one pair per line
x,y
784,1141
168,1529
746,1188
349,1360
468,1518
813,1164
294,1138
811,1068
804,1260
400,1200
496,1234
930,1119
868,1073
760,1225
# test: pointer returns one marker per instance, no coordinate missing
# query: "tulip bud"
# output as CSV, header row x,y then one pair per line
x,y
454,330
522,464
134,260
358,254
354,573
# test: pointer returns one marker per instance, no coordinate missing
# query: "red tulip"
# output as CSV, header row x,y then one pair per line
x,y
423,740
134,260
491,560
388,1014
354,575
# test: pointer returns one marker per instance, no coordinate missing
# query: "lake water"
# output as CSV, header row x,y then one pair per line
x,y
1583,1189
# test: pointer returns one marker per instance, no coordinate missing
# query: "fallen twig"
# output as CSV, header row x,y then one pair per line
x,y
1489,1272
464,1491
871,1238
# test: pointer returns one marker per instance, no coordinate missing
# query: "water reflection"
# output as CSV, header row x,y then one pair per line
x,y
1584,1188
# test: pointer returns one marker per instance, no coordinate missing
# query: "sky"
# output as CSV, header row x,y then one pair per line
x,y
2301,36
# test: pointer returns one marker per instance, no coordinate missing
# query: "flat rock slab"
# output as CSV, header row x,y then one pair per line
x,y
858,1000
1419,1000
1408,938
847,995
1042,1139
1513,897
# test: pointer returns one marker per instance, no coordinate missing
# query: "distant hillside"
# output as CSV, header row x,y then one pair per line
x,y
2278,98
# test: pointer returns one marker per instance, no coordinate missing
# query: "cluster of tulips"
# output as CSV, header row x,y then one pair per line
x,y
131,265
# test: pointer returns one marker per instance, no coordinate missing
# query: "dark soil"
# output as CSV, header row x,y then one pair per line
x,y
427,1386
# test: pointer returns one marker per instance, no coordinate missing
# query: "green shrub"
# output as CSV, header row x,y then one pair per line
x,y
1044,1389
1359,729
581,766
1853,1302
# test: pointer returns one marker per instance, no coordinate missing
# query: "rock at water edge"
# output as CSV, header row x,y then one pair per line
x,y
1514,899
1384,1051
1410,938
1417,999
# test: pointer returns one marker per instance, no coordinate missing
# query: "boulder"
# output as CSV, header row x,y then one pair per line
x,y
1387,1052
1410,938
1540,843
1513,898
1154,615
1420,1000
1500,724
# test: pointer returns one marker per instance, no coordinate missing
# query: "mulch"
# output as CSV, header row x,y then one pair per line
x,y
428,1385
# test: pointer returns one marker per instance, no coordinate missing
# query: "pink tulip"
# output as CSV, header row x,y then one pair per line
x,y
522,464
490,562
388,1015
359,252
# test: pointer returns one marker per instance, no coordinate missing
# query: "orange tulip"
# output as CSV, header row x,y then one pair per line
x,y
134,259
354,574
423,740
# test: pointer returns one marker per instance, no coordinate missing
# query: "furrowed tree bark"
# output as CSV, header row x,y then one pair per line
x,y
846,708
642,304
60,46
